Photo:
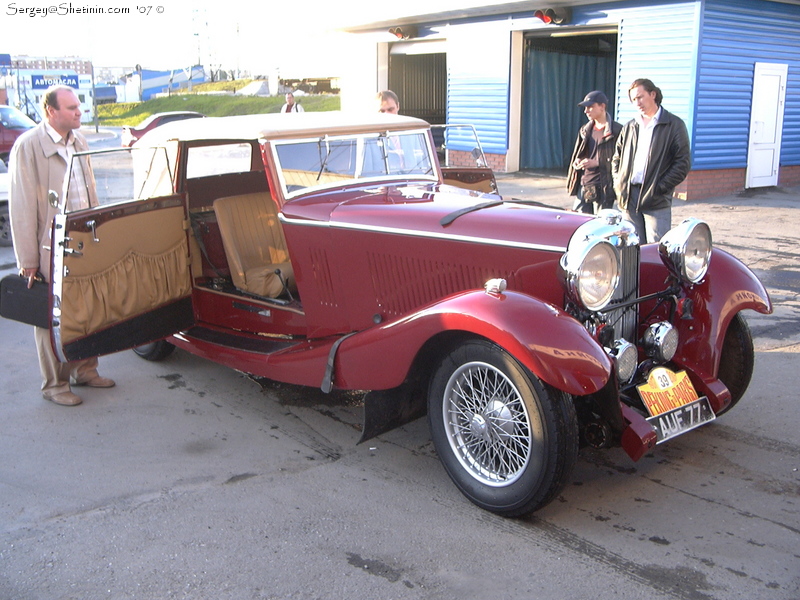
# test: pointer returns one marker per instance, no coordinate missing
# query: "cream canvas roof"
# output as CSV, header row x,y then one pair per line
x,y
279,126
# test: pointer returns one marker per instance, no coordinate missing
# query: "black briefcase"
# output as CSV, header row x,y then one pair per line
x,y
17,302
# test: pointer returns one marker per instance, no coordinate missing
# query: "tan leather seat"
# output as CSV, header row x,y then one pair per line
x,y
254,243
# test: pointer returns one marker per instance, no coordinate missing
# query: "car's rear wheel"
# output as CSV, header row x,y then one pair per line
x,y
507,440
737,360
155,351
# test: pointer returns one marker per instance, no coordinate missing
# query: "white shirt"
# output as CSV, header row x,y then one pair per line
x,y
75,184
643,147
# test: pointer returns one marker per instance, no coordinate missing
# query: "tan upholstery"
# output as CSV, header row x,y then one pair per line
x,y
254,243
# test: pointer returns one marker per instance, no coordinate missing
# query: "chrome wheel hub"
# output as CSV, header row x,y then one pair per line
x,y
487,424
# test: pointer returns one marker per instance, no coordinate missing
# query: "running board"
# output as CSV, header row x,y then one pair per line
x,y
260,345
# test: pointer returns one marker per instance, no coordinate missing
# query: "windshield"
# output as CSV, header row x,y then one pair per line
x,y
15,119
331,161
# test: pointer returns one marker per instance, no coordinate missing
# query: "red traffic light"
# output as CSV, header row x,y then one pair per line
x,y
556,16
403,33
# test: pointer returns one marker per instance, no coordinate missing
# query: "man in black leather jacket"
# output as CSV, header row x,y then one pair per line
x,y
652,157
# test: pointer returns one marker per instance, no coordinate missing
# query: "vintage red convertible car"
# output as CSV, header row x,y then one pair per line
x,y
325,250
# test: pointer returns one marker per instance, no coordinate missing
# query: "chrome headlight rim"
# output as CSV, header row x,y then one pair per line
x,y
660,342
576,265
686,250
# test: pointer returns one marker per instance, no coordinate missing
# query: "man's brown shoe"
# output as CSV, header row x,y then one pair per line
x,y
98,382
65,399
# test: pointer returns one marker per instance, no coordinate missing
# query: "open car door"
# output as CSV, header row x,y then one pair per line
x,y
120,255
462,159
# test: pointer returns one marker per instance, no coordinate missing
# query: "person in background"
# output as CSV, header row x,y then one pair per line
x,y
291,105
651,158
589,175
388,102
38,163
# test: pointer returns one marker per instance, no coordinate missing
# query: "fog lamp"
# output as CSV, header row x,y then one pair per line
x,y
626,358
660,342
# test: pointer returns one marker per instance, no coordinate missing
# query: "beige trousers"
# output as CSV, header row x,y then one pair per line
x,y
56,375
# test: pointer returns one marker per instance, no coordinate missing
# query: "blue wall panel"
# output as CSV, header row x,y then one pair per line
x,y
735,35
658,42
482,102
478,61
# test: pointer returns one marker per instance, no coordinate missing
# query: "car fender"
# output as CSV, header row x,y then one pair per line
x,y
548,341
728,288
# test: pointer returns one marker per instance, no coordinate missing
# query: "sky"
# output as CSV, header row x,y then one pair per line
x,y
294,38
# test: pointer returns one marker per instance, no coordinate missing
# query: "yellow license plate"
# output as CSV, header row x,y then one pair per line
x,y
673,404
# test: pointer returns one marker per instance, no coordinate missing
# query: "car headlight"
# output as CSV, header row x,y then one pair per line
x,y
686,250
592,273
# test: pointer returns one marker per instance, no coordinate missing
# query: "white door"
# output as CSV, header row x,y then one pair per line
x,y
766,125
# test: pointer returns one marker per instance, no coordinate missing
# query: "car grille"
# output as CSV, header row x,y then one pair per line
x,y
625,320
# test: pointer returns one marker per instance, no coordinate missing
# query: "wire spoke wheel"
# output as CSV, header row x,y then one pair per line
x,y
487,424
506,439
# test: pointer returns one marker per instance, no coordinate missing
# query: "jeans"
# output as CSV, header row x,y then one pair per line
x,y
650,224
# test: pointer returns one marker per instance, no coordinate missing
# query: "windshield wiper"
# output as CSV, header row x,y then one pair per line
x,y
446,220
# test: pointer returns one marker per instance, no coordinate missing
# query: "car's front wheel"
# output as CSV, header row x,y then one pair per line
x,y
507,440
5,226
737,360
155,351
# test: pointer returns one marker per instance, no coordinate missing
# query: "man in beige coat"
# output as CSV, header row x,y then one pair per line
x,y
38,164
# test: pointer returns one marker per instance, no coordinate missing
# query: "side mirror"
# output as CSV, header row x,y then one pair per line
x,y
52,198
477,155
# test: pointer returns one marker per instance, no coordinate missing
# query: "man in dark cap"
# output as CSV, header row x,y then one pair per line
x,y
589,175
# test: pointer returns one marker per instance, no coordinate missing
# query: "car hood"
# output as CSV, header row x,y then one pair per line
x,y
441,211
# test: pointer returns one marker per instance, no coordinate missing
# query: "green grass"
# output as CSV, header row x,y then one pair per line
x,y
133,113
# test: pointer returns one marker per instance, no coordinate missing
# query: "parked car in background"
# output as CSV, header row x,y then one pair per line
x,y
325,250
131,134
5,223
13,123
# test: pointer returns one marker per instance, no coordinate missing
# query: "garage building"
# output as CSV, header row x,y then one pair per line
x,y
729,68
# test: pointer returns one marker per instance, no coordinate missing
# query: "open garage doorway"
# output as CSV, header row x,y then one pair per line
x,y
557,73
419,79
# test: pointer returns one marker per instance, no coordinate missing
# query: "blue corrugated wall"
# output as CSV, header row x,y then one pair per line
x,y
735,35
658,43
482,102
478,59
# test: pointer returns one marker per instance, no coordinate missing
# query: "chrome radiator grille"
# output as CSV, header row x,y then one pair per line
x,y
625,320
